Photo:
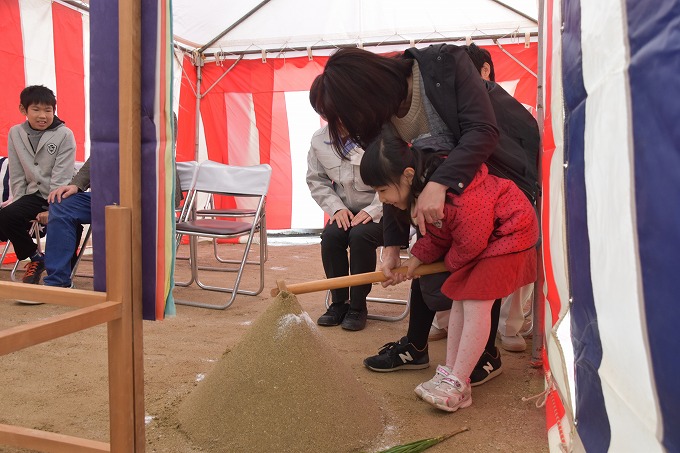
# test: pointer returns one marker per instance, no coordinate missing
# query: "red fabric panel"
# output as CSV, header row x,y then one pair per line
x,y
280,196
508,69
68,58
213,112
186,126
12,78
548,150
297,74
267,83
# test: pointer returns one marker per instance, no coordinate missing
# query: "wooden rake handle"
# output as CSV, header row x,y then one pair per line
x,y
351,280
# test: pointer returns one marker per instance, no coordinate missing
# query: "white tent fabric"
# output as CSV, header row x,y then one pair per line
x,y
270,25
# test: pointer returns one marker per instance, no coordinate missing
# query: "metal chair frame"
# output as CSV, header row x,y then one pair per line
x,y
209,211
214,178
35,231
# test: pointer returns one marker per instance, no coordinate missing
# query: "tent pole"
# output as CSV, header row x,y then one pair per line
x,y
198,62
441,39
538,311
516,11
232,26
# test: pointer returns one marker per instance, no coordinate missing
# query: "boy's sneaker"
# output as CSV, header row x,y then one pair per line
x,y
427,386
334,315
33,272
487,368
400,355
355,319
450,395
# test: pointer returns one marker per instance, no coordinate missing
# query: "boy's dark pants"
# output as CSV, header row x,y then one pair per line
x,y
15,221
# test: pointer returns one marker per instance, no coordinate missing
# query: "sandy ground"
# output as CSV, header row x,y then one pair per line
x,y
61,385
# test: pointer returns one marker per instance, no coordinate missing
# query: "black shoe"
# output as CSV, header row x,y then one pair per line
x,y
334,315
487,368
355,319
34,270
401,355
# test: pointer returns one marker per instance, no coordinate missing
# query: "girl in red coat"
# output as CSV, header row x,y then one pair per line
x,y
487,240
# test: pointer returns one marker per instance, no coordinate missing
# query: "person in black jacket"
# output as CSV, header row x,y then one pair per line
x,y
433,97
520,141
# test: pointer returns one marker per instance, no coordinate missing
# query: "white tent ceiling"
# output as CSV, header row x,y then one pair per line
x,y
251,26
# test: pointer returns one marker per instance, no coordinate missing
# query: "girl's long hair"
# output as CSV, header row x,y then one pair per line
x,y
386,158
359,91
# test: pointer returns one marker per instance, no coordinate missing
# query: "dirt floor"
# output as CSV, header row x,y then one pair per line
x,y
61,385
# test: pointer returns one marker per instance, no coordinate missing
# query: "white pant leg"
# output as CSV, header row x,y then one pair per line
x,y
441,319
512,314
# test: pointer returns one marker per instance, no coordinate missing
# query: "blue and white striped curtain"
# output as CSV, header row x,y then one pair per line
x,y
615,177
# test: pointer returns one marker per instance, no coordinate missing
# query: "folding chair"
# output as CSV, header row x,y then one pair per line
x,y
214,178
79,256
187,176
209,211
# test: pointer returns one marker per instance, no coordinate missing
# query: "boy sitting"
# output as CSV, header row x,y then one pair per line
x,y
41,155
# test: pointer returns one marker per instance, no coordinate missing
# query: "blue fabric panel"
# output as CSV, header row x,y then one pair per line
x,y
103,124
149,144
591,414
654,39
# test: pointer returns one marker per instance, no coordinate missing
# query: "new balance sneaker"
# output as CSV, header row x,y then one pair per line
x,y
355,319
400,355
427,386
450,394
34,270
334,315
488,367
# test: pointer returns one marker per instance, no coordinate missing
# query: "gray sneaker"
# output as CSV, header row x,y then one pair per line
x,y
450,395
427,386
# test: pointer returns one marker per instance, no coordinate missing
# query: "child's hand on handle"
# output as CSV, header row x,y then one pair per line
x,y
412,263
429,205
391,260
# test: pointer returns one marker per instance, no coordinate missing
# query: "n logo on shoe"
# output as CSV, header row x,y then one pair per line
x,y
406,357
488,367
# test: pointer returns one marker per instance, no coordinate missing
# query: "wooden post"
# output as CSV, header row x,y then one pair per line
x,y
122,370
129,58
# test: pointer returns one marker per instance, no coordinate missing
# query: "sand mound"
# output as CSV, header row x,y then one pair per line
x,y
281,389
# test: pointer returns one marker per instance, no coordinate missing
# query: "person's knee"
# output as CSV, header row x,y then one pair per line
x,y
333,236
363,236
60,211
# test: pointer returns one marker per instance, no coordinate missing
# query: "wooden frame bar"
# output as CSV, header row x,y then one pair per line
x,y
115,308
51,295
46,441
20,337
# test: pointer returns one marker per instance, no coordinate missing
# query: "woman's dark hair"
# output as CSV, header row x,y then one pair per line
x,y
359,91
386,158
